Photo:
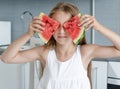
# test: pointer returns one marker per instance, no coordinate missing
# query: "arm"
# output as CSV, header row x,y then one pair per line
x,y
102,51
91,51
107,51
13,54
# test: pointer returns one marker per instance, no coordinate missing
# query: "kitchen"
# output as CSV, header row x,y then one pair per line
x,y
18,14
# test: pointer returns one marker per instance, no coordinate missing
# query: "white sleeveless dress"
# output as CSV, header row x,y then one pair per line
x,y
64,75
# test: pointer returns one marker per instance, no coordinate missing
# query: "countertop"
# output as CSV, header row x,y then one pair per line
x,y
115,59
2,48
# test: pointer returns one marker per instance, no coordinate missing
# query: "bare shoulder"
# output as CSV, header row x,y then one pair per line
x,y
87,51
88,48
42,51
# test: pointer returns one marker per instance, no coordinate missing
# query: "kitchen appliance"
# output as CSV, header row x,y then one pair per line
x,y
114,74
5,33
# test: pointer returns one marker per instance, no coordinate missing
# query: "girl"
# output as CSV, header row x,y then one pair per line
x,y
64,63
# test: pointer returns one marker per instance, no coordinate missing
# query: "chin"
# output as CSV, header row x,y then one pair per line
x,y
61,43
64,42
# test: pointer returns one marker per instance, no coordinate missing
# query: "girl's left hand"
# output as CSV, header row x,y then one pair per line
x,y
88,22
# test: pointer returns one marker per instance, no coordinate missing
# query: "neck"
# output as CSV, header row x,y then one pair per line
x,y
66,49
65,52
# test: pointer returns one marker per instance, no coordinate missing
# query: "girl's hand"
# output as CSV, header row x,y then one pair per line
x,y
88,22
36,25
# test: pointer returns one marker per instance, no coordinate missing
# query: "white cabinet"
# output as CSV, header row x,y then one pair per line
x,y
114,73
14,76
99,75
114,69
11,76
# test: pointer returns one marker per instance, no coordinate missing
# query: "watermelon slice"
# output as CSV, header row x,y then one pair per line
x,y
74,31
50,27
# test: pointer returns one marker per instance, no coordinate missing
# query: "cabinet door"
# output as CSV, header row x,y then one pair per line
x,y
99,75
114,69
114,73
11,76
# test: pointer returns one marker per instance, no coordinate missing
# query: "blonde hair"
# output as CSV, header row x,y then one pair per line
x,y
67,8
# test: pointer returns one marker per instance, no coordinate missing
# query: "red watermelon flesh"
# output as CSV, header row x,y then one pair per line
x,y
74,31
50,27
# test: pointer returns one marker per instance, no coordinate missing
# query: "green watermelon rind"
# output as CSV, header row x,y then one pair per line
x,y
80,36
39,34
45,37
42,38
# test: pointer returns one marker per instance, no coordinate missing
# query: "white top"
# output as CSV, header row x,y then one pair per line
x,y
64,75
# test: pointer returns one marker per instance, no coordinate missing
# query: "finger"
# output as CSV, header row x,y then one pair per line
x,y
36,18
86,21
85,16
36,30
90,26
37,21
37,26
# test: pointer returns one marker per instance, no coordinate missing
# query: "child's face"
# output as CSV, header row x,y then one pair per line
x,y
60,34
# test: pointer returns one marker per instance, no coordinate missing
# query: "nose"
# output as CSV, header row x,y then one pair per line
x,y
61,29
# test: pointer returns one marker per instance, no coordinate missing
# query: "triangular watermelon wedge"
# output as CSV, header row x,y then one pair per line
x,y
74,31
50,27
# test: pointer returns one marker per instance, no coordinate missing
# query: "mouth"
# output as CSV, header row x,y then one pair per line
x,y
62,36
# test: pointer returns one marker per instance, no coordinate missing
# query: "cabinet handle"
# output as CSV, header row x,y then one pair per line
x,y
94,78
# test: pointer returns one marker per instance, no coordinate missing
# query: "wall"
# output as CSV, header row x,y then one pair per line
x,y
107,12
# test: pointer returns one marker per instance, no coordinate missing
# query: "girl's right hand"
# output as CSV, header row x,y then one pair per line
x,y
36,25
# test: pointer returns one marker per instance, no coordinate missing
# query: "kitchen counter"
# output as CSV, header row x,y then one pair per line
x,y
4,47
116,59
